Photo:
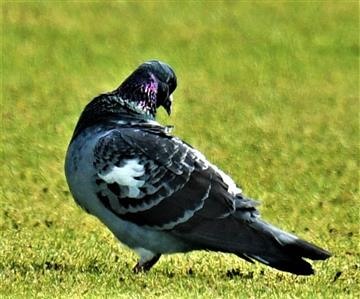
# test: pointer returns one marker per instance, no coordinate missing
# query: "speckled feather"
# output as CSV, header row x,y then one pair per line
x,y
159,195
176,179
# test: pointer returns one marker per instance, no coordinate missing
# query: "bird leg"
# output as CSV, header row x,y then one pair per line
x,y
144,266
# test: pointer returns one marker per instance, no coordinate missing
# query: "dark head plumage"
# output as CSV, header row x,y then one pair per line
x,y
149,87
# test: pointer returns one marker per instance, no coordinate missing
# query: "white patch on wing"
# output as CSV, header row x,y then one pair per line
x,y
126,176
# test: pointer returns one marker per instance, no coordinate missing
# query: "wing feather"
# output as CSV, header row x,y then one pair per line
x,y
179,183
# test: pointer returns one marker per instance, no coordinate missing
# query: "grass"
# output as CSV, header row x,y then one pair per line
x,y
268,91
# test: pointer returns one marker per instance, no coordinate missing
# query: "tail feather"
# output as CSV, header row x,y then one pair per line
x,y
305,249
285,251
256,240
293,265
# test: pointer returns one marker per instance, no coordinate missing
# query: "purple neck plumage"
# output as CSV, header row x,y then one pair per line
x,y
140,96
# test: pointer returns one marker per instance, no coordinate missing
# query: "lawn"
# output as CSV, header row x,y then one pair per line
x,y
268,91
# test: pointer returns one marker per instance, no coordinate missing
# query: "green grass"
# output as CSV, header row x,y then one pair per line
x,y
268,91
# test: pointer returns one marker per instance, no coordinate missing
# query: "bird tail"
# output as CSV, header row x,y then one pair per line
x,y
282,250
253,240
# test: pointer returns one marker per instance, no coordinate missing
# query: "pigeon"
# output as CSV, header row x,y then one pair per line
x,y
159,195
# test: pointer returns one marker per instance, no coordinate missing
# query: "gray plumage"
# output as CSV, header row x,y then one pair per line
x,y
157,194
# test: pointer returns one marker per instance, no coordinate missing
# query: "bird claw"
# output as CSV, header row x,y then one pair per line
x,y
145,267
138,268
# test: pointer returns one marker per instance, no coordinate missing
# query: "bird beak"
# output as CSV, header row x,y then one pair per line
x,y
167,104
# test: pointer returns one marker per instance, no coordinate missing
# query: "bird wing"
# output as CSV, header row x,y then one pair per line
x,y
148,177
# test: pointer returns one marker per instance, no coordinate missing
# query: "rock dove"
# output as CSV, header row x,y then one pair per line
x,y
159,195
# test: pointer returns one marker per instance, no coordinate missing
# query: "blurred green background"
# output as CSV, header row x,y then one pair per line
x,y
268,91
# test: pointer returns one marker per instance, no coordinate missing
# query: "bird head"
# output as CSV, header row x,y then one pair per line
x,y
150,86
